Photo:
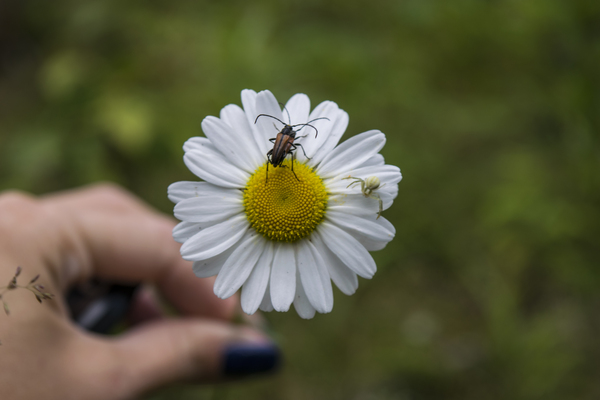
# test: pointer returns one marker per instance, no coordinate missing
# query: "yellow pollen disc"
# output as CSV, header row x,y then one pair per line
x,y
283,208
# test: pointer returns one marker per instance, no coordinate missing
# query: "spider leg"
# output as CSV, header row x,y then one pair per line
x,y
354,182
376,196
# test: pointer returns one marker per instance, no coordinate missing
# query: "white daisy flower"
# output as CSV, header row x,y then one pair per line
x,y
284,237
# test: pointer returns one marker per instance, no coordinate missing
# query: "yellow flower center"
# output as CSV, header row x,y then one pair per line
x,y
283,208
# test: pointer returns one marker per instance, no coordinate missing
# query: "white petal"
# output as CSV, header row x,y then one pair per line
x,y
353,152
270,121
348,249
377,159
254,288
329,110
388,175
314,276
265,304
267,126
184,190
214,240
209,210
233,145
301,304
388,195
198,143
283,277
322,118
238,266
343,193
249,103
341,275
185,230
356,204
298,107
332,140
212,266
236,118
343,184
372,233
214,168
386,225
181,190
332,131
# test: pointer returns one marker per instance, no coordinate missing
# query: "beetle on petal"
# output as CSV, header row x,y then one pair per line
x,y
283,143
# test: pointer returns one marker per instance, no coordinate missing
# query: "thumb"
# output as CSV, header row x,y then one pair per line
x,y
167,351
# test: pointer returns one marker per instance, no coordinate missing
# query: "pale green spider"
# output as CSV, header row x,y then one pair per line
x,y
367,186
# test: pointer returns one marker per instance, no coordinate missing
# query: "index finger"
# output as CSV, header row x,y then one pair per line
x,y
125,240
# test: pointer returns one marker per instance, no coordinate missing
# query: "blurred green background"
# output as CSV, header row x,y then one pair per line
x,y
490,289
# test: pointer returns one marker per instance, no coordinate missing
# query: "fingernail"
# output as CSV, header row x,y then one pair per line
x,y
247,359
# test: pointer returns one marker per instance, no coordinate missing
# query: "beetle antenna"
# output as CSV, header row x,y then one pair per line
x,y
309,124
316,119
270,116
311,121
303,125
287,112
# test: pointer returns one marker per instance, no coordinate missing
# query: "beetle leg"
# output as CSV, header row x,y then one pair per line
x,y
267,175
293,157
269,153
272,140
302,147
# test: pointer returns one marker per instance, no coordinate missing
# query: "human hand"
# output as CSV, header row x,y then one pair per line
x,y
104,232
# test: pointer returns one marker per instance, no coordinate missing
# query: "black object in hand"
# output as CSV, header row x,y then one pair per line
x,y
98,306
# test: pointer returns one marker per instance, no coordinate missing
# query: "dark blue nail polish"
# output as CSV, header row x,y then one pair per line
x,y
246,359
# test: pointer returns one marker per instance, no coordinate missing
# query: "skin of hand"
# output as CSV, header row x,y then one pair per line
x,y
105,232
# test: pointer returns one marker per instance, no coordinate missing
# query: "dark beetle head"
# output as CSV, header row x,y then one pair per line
x,y
287,130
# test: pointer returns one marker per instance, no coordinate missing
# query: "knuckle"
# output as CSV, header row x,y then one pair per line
x,y
22,218
114,195
109,190
15,197
16,203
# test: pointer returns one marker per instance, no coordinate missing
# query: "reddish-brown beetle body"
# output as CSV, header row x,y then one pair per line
x,y
283,143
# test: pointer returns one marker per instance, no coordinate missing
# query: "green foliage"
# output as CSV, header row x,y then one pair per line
x,y
491,109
